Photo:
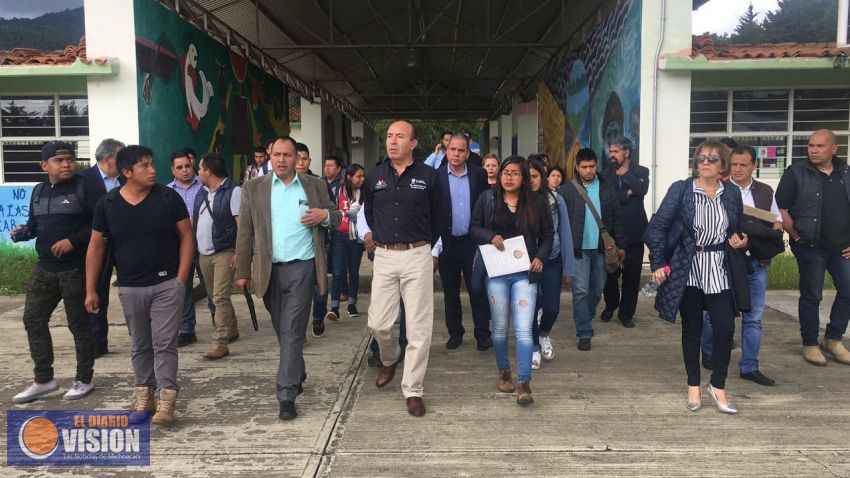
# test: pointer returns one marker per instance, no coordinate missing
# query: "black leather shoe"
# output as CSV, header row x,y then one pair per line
x,y
287,410
186,339
484,345
584,344
759,378
628,323
374,360
101,350
607,314
706,362
454,342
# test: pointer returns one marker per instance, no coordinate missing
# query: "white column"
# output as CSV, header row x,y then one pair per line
x,y
113,100
493,138
358,143
525,116
311,132
506,128
666,103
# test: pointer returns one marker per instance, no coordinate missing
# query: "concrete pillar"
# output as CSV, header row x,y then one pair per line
x,y
525,119
666,103
113,100
493,137
506,128
311,132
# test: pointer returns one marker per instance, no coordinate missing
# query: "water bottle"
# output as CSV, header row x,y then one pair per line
x,y
651,287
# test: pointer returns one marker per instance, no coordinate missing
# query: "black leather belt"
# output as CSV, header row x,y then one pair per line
x,y
712,248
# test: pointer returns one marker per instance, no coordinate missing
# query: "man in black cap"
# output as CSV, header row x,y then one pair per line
x,y
60,221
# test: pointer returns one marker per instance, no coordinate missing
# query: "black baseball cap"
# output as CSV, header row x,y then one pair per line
x,y
56,148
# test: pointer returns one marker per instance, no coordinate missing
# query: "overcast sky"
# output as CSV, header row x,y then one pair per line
x,y
721,16
35,8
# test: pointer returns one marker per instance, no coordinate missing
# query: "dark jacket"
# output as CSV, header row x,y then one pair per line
x,y
611,215
481,226
477,185
224,225
670,293
632,209
807,205
97,188
61,211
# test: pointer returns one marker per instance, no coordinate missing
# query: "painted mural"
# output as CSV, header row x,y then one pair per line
x,y
14,211
195,92
593,95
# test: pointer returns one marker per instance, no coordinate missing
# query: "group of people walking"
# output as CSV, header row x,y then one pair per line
x,y
284,230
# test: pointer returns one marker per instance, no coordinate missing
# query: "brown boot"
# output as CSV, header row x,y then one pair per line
x,y
523,394
165,407
813,355
216,351
506,384
836,349
233,333
143,405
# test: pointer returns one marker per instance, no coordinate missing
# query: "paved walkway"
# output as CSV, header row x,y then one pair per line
x,y
618,410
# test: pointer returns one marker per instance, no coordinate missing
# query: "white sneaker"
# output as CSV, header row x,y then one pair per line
x,y
535,360
546,348
78,390
36,390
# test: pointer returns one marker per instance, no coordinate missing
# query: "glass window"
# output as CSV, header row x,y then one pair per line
x,y
28,116
821,109
21,162
771,154
759,111
708,111
74,116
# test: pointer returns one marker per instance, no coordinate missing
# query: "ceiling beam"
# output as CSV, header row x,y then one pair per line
x,y
405,47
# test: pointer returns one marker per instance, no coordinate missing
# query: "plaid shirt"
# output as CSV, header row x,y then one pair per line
x,y
187,194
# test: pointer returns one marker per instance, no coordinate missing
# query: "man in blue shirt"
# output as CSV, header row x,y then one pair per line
x,y
436,158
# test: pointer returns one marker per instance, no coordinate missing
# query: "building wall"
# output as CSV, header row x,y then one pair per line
x,y
594,95
195,92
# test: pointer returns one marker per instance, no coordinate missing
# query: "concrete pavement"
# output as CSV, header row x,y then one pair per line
x,y
618,410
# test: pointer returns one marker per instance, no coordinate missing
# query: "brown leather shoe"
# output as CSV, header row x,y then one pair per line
x,y
506,383
523,394
385,376
216,351
813,355
415,406
836,349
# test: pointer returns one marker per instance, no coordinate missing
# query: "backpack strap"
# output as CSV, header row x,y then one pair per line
x,y
583,193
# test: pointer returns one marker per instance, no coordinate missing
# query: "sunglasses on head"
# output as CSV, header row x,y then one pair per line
x,y
709,159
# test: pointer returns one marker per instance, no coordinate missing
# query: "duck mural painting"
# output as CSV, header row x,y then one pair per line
x,y
195,92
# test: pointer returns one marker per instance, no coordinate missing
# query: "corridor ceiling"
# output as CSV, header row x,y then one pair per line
x,y
377,59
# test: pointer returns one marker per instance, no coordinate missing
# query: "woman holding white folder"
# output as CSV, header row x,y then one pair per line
x,y
512,210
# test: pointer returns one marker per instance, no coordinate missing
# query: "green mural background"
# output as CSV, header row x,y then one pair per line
x,y
195,92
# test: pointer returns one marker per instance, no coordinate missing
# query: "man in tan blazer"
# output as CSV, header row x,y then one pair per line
x,y
280,249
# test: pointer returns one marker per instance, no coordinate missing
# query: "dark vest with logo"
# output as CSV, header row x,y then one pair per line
x,y
224,225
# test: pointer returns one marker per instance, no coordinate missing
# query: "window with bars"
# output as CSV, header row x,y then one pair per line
x,y
27,122
777,123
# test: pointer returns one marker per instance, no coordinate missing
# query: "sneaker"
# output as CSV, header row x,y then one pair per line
x,y
78,390
35,391
535,360
352,311
546,348
318,328
333,314
165,407
186,339
143,405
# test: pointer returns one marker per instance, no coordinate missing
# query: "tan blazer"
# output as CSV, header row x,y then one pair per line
x,y
254,239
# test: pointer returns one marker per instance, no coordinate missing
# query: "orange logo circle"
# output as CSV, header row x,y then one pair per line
x,y
38,437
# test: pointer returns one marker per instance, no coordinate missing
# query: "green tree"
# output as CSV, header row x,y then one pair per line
x,y
749,30
802,21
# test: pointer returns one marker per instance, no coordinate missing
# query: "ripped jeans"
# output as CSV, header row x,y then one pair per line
x,y
512,296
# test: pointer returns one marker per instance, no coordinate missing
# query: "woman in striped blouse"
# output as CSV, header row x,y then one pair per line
x,y
693,272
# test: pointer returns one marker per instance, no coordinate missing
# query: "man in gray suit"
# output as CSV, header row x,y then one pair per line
x,y
280,249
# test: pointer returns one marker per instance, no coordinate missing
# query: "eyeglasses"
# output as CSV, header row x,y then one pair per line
x,y
511,174
709,159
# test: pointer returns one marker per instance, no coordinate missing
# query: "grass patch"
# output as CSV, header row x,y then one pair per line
x,y
784,275
15,268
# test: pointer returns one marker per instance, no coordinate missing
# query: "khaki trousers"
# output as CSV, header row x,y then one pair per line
x,y
218,280
407,275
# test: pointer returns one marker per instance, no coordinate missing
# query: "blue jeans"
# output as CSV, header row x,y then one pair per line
x,y
512,295
345,264
548,298
587,290
750,323
402,333
813,262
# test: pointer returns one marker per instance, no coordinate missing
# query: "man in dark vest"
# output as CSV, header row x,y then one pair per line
x,y
758,195
215,218
631,182
814,199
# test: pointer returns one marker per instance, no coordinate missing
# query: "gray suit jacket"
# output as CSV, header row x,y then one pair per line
x,y
254,239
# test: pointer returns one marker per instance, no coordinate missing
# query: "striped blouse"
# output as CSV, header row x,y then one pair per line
x,y
708,269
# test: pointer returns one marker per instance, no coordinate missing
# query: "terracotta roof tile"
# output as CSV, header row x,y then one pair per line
x,y
31,56
704,45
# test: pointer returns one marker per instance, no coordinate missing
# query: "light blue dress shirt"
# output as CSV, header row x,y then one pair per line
x,y
291,240
108,183
459,190
435,159
590,238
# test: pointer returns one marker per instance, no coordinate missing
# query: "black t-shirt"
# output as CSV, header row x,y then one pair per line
x,y
835,214
144,237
